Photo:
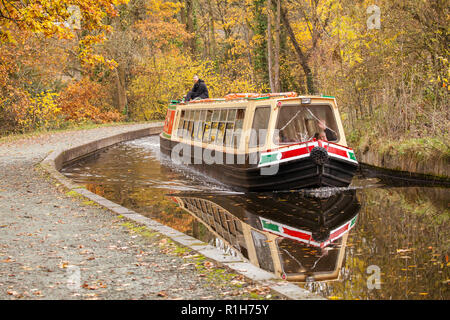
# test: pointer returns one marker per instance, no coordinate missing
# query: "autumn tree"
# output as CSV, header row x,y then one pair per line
x,y
36,39
399,69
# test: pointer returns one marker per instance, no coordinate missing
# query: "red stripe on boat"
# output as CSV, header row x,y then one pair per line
x,y
293,153
337,233
339,152
297,234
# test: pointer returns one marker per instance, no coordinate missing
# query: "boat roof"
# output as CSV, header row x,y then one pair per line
x,y
244,97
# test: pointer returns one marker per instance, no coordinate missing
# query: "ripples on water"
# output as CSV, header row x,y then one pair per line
x,y
403,232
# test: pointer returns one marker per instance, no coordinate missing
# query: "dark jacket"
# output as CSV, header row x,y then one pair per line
x,y
331,136
199,90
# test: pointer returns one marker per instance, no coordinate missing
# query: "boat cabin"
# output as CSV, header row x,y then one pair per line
x,y
255,124
247,135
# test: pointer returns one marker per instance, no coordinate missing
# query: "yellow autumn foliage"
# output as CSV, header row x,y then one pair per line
x,y
42,112
170,76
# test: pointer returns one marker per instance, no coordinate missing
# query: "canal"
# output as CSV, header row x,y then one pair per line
x,y
373,240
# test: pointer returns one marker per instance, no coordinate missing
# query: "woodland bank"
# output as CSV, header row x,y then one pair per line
x,y
424,156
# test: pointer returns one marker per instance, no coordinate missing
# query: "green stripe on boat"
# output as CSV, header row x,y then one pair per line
x,y
270,226
353,221
260,98
351,155
265,158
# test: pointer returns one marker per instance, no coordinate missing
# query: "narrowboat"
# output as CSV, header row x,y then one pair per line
x,y
296,237
261,142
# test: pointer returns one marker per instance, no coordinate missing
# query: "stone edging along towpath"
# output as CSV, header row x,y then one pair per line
x,y
56,160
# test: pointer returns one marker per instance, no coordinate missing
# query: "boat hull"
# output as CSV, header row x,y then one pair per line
x,y
289,175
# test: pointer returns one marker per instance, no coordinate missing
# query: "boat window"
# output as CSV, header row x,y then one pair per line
x,y
238,124
190,129
206,131
216,215
202,115
213,131
203,206
238,227
223,217
210,218
231,115
180,128
221,127
198,204
229,133
209,115
263,251
231,226
188,115
308,259
200,131
240,114
197,117
197,129
181,123
298,123
259,127
223,115
216,115
220,133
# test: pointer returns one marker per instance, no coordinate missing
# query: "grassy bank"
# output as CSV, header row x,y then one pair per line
x,y
429,155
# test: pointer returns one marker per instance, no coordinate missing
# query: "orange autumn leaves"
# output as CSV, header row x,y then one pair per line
x,y
85,100
79,102
41,43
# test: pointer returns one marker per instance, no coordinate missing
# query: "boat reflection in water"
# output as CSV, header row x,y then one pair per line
x,y
298,237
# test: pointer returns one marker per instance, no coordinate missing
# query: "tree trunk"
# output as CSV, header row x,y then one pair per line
x,y
190,24
301,56
276,66
121,89
212,29
269,45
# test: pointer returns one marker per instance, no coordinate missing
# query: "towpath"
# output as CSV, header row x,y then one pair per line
x,y
55,246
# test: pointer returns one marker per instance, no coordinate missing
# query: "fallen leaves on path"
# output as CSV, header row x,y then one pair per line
x,y
162,293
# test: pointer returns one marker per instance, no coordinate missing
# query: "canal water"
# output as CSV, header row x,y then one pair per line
x,y
371,240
